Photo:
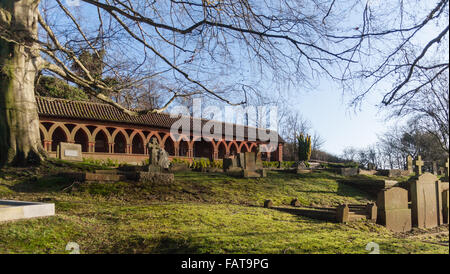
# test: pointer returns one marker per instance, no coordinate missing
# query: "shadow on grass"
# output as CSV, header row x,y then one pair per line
x,y
43,184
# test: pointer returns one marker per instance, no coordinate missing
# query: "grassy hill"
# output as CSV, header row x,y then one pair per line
x,y
199,213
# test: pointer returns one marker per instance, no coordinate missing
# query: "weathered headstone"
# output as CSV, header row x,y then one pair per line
x,y
393,211
342,214
248,164
371,166
268,204
70,152
372,212
295,202
418,166
445,206
435,168
426,201
348,171
446,170
409,163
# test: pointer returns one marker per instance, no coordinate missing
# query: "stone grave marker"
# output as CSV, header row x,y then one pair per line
x,y
418,165
409,163
70,152
445,206
435,168
393,211
426,201
446,170
248,164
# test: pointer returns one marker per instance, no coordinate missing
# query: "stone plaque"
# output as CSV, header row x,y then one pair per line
x,y
70,152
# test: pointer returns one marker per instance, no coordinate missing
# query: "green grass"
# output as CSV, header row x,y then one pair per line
x,y
199,213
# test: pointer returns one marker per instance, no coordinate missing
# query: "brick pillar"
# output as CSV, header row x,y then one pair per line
x,y
91,147
216,154
111,147
129,149
176,148
47,145
280,152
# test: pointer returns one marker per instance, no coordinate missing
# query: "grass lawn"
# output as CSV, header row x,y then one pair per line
x,y
200,213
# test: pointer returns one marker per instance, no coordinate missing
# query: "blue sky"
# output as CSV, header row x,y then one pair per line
x,y
340,125
324,106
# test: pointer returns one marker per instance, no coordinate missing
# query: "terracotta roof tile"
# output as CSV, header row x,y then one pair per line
x,y
54,107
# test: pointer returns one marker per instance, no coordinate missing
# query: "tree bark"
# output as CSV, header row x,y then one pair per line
x,y
20,142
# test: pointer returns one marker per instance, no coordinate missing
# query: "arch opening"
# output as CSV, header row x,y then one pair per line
x,y
58,136
138,145
101,142
82,139
120,143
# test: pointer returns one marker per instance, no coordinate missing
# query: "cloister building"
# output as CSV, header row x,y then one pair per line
x,y
104,132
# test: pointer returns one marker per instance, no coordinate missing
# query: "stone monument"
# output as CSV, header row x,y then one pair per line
x,y
393,211
69,152
409,163
158,166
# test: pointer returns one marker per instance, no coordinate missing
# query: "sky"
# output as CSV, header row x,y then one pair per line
x,y
341,126
329,114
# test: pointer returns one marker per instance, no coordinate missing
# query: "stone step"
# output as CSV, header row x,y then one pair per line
x,y
104,177
106,171
355,217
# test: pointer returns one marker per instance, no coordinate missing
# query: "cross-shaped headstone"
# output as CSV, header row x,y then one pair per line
x,y
154,144
419,165
446,168
153,148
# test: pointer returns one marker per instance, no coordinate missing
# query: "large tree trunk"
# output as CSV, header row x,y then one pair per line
x,y
19,122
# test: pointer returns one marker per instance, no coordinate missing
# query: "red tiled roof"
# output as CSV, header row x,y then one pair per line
x,y
62,108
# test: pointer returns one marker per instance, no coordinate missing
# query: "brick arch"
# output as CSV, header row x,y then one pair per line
x,y
252,146
83,128
137,132
63,127
123,131
105,131
151,135
244,143
235,145
44,132
140,134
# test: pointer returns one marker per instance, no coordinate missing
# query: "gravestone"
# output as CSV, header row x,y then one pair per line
x,y
409,163
70,152
426,201
446,171
248,164
435,168
268,204
342,213
295,202
371,166
259,162
418,166
393,211
445,206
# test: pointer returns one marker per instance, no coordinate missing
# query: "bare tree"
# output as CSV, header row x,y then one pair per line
x,y
190,42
